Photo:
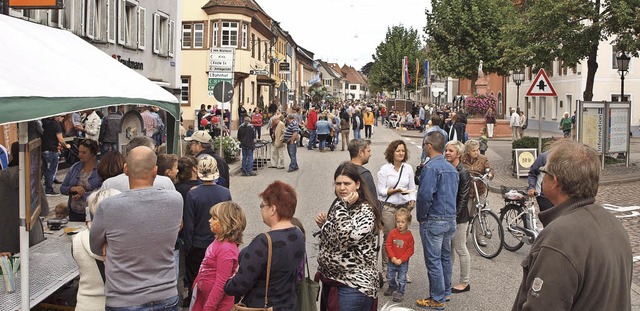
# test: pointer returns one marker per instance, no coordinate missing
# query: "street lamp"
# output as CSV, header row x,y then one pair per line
x,y
623,68
518,77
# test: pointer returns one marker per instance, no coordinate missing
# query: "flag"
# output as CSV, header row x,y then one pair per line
x,y
407,79
417,71
426,72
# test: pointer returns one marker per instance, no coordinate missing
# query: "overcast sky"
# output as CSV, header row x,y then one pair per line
x,y
344,31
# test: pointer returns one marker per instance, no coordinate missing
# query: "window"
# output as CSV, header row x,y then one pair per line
x,y
554,109
184,90
614,53
253,44
142,28
229,34
353,87
253,92
128,25
186,36
56,18
241,91
244,36
327,82
161,34
259,49
198,35
96,19
112,19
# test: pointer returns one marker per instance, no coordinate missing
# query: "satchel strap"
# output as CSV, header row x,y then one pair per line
x,y
266,289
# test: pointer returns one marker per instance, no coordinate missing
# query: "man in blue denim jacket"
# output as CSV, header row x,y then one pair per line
x,y
436,213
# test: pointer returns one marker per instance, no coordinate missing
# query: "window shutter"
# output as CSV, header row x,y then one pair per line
x,y
142,28
156,33
111,21
121,21
90,20
172,37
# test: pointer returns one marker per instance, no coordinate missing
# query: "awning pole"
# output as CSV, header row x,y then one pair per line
x,y
24,234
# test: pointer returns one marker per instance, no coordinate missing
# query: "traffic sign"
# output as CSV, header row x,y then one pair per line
x,y
541,86
259,72
223,91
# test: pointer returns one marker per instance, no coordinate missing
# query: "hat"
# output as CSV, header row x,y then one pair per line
x,y
207,168
199,136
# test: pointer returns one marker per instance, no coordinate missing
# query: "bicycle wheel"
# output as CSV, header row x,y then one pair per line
x,y
488,236
509,216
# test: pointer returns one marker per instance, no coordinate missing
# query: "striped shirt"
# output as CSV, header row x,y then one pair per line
x,y
291,128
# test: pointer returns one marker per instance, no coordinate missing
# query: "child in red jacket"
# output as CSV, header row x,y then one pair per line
x,y
399,247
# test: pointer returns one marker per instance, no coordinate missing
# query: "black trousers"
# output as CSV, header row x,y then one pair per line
x,y
192,259
367,131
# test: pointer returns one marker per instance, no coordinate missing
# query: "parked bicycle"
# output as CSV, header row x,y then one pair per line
x,y
518,219
488,236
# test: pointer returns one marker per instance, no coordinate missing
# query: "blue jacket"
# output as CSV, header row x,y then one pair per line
x,y
323,127
534,172
73,177
437,191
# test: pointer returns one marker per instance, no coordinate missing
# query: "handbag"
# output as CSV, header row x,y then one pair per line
x,y
241,306
307,291
397,182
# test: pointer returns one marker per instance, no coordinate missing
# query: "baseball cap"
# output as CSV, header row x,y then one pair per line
x,y
200,136
207,168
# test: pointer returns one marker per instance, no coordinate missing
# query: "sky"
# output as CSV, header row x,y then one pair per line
x,y
344,31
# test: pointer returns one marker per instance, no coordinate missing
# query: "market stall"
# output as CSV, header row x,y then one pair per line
x,y
45,72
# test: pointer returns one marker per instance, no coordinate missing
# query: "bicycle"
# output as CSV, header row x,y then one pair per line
x,y
518,218
485,224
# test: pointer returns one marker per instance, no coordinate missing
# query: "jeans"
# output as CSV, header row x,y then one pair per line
x,y
401,272
436,234
312,139
165,304
345,138
459,244
50,166
258,130
247,161
352,299
292,149
356,134
322,138
106,147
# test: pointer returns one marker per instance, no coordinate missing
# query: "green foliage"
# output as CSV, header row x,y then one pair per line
x,y
538,32
366,68
230,147
530,142
613,160
460,33
386,72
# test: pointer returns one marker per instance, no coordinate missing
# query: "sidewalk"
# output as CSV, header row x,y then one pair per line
x,y
499,155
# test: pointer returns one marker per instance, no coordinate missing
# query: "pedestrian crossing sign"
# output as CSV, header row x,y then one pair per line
x,y
541,86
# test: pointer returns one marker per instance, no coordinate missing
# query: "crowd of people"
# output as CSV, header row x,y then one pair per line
x,y
129,258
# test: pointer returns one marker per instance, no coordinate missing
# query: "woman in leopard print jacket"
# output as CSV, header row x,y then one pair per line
x,y
349,243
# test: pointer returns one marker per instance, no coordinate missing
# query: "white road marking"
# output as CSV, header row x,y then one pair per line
x,y
623,209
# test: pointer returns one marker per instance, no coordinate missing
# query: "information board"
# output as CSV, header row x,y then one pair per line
x,y
524,160
593,127
618,135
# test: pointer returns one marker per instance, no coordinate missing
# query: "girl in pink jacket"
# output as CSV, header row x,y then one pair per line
x,y
221,258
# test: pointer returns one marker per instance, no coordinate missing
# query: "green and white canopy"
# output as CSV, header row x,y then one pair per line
x,y
46,71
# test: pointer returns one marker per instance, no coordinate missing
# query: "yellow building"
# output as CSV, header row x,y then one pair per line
x,y
238,24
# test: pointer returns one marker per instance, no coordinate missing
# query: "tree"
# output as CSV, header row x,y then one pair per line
x,y
542,31
366,68
460,33
386,72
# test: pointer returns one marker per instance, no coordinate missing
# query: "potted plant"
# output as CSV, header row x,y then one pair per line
x,y
478,105
230,147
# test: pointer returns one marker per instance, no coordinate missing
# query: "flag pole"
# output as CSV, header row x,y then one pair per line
x,y
402,78
417,75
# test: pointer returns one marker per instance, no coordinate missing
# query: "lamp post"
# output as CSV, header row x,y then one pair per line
x,y
623,68
518,77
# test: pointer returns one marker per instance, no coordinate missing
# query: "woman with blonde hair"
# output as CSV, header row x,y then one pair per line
x,y
91,266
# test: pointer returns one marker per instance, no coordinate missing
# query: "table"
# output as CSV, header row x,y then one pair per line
x,y
261,154
51,265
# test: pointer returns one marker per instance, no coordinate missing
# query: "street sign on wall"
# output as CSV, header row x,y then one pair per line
x,y
284,67
259,72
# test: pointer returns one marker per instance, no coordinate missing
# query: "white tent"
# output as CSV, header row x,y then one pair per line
x,y
45,72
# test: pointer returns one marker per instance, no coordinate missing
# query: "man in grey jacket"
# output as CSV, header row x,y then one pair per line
x,y
138,230
582,259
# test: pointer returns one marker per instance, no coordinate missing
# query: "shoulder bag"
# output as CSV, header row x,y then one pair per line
x,y
241,306
397,182
307,291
